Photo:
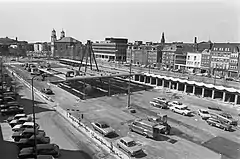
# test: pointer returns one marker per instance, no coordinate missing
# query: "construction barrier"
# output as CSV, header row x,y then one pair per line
x,y
99,140
39,93
107,146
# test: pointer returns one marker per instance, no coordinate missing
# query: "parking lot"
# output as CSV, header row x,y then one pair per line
x,y
188,136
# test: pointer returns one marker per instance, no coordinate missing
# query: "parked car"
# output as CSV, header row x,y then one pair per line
x,y
204,114
161,100
47,91
17,116
229,79
215,108
219,124
20,121
181,109
226,117
158,104
29,142
27,133
103,128
12,110
25,125
7,99
129,146
7,105
42,149
174,103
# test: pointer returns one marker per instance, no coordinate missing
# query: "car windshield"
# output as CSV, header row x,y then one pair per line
x,y
227,116
105,126
204,112
178,103
131,143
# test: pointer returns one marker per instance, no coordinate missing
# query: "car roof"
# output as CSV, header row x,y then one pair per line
x,y
101,122
17,126
127,139
203,110
19,115
29,130
29,123
181,106
45,146
24,118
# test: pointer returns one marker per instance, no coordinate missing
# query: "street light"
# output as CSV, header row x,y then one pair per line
x,y
129,82
34,118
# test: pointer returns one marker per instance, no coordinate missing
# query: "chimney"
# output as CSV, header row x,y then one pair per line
x,y
195,40
16,39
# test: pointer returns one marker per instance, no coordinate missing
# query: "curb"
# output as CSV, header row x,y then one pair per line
x,y
76,123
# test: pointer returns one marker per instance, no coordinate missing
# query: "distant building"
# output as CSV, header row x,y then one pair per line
x,y
220,58
193,60
168,56
206,60
13,47
114,49
65,47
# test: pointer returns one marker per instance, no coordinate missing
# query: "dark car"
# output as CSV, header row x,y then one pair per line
x,y
7,105
219,124
27,133
47,91
7,99
214,108
42,149
29,142
12,110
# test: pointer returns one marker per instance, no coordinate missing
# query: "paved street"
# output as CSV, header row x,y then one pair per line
x,y
188,133
73,144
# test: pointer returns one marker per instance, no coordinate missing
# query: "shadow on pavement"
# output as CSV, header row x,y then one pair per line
x,y
27,105
8,150
226,147
73,154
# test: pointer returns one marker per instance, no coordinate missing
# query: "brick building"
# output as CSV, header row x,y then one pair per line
x,y
66,47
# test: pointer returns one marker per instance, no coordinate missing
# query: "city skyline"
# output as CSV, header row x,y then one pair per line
x,y
217,21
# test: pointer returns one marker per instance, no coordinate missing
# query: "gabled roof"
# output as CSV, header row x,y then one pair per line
x,y
68,40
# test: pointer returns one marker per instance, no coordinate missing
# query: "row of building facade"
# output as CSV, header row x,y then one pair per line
x,y
222,59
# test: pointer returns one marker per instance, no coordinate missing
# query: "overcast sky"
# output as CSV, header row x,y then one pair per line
x,y
180,20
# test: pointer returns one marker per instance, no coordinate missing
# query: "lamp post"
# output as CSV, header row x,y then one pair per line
x,y
2,76
34,120
129,82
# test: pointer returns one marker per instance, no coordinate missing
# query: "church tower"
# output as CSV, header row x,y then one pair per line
x,y
62,34
163,38
53,39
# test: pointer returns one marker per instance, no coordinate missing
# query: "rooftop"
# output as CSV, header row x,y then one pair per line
x,y
68,40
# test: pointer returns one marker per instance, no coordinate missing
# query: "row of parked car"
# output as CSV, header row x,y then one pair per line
x,y
23,129
222,120
23,135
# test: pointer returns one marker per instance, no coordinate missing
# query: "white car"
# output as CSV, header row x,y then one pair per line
x,y
161,99
129,146
204,114
181,109
174,103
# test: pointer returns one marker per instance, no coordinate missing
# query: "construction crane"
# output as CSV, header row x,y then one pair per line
x,y
88,53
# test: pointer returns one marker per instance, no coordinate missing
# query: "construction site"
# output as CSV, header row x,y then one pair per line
x,y
110,94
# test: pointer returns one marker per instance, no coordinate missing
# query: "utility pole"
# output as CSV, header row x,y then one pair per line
x,y
129,82
2,76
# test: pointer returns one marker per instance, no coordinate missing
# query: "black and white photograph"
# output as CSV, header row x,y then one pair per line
x,y
119,79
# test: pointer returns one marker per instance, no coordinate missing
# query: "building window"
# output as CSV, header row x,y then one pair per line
x,y
195,57
188,57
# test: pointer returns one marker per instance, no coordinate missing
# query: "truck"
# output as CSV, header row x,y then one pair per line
x,y
148,128
162,120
